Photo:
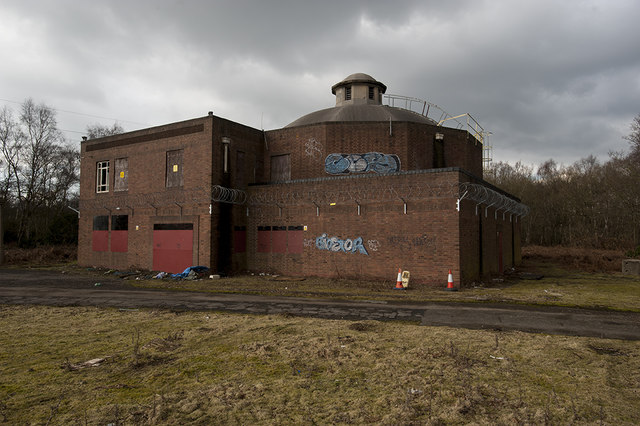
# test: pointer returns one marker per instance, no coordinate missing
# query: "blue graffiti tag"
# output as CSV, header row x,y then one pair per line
x,y
336,244
337,164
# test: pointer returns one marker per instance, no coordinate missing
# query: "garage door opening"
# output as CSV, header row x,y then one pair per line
x,y
172,247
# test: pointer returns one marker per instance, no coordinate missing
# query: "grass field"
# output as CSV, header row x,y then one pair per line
x,y
109,366
160,367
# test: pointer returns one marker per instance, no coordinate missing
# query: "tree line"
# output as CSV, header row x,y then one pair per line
x,y
588,203
39,176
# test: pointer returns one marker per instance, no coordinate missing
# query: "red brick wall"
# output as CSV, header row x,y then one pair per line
x,y
424,241
309,145
477,265
148,201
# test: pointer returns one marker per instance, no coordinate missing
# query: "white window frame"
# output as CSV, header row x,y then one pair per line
x,y
102,176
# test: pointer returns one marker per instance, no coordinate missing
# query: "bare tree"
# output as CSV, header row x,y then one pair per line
x,y
11,139
98,130
634,138
38,168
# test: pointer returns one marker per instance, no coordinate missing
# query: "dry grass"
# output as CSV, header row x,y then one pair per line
x,y
161,367
577,258
40,256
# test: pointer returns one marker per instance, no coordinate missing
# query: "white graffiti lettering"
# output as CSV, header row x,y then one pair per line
x,y
313,148
374,245
336,244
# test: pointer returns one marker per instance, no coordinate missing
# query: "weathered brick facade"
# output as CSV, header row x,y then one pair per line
x,y
355,197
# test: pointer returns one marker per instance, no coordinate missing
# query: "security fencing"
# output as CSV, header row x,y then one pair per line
x,y
284,195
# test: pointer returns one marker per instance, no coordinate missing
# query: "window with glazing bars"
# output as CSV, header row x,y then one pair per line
x,y
102,176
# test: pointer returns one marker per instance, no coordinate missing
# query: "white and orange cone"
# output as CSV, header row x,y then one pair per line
x,y
399,285
450,286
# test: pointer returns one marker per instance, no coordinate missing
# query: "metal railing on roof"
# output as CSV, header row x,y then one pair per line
x,y
440,116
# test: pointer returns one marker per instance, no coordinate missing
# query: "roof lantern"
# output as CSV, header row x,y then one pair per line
x,y
357,89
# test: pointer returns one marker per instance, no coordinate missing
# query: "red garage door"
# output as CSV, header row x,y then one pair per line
x,y
172,247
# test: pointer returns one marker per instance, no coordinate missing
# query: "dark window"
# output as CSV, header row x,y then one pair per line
x,y
120,223
371,92
280,168
122,172
347,93
101,223
174,168
173,226
102,176
438,153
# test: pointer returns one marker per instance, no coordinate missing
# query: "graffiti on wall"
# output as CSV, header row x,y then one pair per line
x,y
335,244
338,164
374,245
313,148
406,242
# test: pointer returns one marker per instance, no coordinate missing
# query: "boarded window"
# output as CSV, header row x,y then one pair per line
x,y
119,233
264,239
240,239
121,167
102,176
174,168
100,234
295,240
280,168
240,171
279,239
347,93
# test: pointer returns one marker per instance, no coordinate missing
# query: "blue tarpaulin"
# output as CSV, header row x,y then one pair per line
x,y
185,273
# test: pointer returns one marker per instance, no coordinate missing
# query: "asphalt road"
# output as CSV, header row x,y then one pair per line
x,y
34,287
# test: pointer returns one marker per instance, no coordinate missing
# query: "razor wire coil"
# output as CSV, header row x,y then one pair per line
x,y
287,195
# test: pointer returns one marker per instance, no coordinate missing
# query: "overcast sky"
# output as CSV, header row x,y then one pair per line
x,y
549,79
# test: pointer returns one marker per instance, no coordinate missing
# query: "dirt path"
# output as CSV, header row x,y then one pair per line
x,y
34,287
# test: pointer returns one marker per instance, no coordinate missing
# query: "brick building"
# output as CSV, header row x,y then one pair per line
x,y
357,190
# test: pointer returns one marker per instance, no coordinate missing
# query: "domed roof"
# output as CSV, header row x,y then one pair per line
x,y
361,112
362,102
361,78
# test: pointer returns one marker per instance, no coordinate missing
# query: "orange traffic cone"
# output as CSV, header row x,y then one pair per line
x,y
450,286
399,285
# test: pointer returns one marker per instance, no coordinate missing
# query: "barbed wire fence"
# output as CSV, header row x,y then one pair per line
x,y
286,195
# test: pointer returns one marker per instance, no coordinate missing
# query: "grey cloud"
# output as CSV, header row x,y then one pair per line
x,y
548,78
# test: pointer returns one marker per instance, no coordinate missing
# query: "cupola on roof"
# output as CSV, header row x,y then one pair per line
x,y
359,98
